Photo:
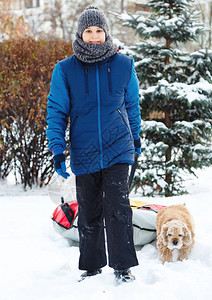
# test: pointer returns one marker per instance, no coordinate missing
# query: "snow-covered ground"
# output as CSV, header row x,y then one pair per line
x,y
38,264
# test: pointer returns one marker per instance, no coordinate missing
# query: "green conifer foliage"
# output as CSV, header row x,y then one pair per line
x,y
176,96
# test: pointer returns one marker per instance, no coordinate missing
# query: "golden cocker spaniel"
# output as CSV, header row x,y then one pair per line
x,y
175,233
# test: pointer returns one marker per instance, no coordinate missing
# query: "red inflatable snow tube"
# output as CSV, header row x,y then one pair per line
x,y
65,214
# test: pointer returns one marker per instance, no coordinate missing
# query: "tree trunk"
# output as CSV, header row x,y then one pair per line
x,y
167,118
122,6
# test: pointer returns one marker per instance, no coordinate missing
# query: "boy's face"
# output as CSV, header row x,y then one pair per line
x,y
93,35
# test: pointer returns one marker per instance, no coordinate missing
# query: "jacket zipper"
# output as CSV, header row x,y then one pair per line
x,y
99,115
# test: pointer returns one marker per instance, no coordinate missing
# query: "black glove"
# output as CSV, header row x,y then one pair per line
x,y
137,144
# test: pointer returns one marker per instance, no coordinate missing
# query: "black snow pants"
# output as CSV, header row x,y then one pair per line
x,y
104,196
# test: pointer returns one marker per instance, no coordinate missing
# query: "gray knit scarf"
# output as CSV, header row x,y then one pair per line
x,y
90,53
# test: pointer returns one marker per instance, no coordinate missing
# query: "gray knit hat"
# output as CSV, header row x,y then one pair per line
x,y
92,16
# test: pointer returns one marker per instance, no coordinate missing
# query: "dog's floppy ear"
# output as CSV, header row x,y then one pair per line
x,y
187,239
163,234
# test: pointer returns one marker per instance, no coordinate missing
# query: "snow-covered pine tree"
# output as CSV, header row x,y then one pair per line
x,y
176,96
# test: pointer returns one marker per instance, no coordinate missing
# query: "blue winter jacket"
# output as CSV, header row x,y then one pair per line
x,y
102,100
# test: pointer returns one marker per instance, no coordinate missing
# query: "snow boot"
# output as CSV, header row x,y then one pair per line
x,y
123,276
89,274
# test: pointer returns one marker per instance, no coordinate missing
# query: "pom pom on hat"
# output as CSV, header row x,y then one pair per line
x,y
92,16
91,7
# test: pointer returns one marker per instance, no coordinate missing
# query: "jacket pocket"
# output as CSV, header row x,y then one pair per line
x,y
122,118
72,131
72,125
86,82
109,80
124,121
